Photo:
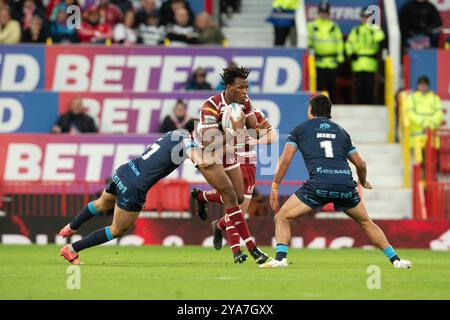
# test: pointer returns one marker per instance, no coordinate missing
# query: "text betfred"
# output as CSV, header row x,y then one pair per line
x,y
139,73
27,161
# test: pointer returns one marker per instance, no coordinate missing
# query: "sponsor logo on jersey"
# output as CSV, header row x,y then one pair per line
x,y
120,186
333,171
209,120
134,168
324,126
334,194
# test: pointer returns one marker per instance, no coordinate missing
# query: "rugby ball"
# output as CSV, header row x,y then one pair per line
x,y
231,111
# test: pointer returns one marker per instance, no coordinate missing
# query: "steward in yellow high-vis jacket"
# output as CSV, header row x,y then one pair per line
x,y
424,109
362,46
325,38
283,19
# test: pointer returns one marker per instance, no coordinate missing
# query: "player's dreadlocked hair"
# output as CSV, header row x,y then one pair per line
x,y
232,72
321,106
190,125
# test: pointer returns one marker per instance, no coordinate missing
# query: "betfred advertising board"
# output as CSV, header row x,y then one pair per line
x,y
142,69
129,112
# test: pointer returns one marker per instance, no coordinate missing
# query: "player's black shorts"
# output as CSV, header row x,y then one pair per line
x,y
128,196
317,196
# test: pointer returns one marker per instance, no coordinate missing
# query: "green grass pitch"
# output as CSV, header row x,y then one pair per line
x,y
153,272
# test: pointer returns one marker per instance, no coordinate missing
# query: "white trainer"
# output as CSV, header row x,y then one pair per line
x,y
274,263
402,264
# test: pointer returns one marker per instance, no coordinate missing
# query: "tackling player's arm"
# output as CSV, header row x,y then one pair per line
x,y
361,169
266,136
283,165
195,154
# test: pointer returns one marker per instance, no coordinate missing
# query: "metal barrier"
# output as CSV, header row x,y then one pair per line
x,y
312,72
437,174
437,154
405,140
420,211
444,152
389,98
438,200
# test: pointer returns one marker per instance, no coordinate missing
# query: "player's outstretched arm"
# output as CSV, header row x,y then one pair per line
x,y
283,165
268,136
361,169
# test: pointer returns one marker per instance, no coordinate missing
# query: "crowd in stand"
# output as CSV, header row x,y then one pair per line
x,y
149,22
152,22
421,25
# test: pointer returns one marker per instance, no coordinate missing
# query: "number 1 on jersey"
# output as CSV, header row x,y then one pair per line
x,y
328,146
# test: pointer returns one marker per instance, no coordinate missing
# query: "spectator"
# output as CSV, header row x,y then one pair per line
x,y
151,33
124,32
230,6
50,6
123,5
168,9
35,33
9,28
75,120
424,109
147,7
92,30
420,24
59,29
182,32
198,81
62,5
325,38
176,120
363,46
209,32
283,19
23,11
109,13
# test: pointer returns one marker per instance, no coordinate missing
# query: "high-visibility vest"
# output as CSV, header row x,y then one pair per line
x,y
285,4
283,13
364,42
325,38
424,112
